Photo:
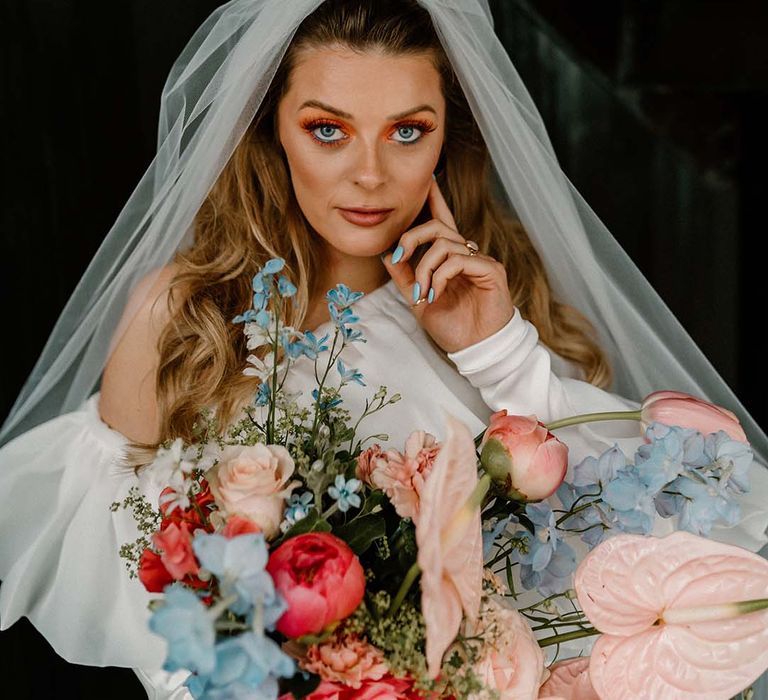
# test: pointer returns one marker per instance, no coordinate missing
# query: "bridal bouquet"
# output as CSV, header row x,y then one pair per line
x,y
295,562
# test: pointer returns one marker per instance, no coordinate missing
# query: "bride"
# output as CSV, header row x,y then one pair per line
x,y
388,146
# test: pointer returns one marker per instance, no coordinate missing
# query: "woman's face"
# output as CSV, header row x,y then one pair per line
x,y
361,130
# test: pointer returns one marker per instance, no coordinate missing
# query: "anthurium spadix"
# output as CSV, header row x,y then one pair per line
x,y
681,617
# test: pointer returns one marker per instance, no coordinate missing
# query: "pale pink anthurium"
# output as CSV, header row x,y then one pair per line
x,y
686,411
450,542
673,619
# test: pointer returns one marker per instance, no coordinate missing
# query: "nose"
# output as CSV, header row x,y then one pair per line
x,y
369,169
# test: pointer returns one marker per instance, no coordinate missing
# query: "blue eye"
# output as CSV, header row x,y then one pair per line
x,y
327,128
409,128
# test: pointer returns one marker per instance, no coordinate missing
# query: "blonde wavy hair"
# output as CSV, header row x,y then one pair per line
x,y
251,215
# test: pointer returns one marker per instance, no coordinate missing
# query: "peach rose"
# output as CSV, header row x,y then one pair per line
x,y
253,481
515,664
402,476
347,659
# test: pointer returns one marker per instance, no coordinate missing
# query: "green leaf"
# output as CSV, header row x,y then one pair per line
x,y
300,685
311,523
361,532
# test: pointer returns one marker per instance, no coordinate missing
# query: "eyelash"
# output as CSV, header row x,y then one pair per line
x,y
421,124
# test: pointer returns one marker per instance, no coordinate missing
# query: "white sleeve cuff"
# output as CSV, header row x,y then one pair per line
x,y
491,359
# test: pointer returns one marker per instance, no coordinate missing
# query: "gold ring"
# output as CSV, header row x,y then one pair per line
x,y
472,246
413,306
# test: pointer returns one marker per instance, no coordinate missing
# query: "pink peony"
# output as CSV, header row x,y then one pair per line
x,y
569,679
514,665
346,659
402,476
686,411
320,578
253,481
175,545
520,454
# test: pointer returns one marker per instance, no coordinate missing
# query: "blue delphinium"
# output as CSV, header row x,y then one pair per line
x,y
247,668
239,564
184,621
312,346
343,492
349,375
548,562
326,404
492,528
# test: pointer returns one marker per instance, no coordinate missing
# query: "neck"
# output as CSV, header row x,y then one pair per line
x,y
359,274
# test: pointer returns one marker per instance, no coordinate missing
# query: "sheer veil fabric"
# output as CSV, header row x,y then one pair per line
x,y
211,95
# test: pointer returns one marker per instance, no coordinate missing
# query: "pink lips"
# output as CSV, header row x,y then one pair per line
x,y
365,217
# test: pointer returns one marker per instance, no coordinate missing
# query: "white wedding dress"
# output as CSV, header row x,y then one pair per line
x,y
59,541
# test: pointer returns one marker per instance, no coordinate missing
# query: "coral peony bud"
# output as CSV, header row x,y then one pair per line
x,y
523,457
686,411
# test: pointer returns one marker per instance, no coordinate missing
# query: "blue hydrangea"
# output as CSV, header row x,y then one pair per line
x,y
247,668
343,492
492,528
239,564
349,375
549,562
184,621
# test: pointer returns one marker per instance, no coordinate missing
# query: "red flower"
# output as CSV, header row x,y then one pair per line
x,y
152,572
192,515
320,578
239,525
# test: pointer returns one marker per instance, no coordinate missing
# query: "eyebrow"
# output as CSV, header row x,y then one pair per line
x,y
346,115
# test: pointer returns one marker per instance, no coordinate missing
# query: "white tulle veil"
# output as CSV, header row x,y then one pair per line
x,y
211,95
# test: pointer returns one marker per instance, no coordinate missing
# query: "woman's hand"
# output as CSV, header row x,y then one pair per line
x,y
471,294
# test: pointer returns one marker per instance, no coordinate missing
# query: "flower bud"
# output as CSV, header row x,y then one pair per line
x,y
686,411
523,457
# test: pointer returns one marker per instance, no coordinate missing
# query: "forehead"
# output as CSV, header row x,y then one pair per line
x,y
369,81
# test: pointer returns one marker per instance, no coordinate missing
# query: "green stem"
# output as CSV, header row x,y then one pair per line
x,y
567,636
590,417
405,586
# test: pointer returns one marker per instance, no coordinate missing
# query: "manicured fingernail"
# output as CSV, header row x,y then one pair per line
x,y
416,291
397,254
431,295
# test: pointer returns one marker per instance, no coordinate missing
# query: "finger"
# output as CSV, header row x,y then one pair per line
x,y
437,254
423,233
485,273
439,207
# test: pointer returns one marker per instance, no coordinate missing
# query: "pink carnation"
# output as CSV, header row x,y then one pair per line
x,y
366,462
402,476
347,659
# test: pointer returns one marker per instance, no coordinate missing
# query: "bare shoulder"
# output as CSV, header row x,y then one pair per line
x,y
127,401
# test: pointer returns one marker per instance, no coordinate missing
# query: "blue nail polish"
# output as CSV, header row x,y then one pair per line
x,y
397,254
416,291
431,295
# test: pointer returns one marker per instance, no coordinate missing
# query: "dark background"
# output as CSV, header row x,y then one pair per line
x,y
657,111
